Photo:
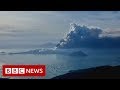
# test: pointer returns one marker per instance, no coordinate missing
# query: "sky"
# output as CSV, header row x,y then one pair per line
x,y
37,27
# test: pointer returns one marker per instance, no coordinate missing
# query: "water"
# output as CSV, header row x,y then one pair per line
x,y
61,64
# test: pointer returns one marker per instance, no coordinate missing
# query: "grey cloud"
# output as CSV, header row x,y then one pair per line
x,y
83,36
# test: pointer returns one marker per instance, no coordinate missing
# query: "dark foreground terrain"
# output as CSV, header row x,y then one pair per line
x,y
102,72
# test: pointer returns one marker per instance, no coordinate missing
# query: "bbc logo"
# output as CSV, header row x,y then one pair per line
x,y
23,70
14,70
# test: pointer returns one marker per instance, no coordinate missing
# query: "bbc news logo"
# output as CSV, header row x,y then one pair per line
x,y
23,70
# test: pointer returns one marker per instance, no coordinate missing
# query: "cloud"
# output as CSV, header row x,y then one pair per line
x,y
84,36
113,32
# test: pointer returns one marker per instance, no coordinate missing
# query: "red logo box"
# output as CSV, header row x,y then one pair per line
x,y
23,70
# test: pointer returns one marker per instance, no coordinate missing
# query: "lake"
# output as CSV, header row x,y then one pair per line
x,y
60,64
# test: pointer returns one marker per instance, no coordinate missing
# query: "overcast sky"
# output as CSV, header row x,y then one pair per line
x,y
37,27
